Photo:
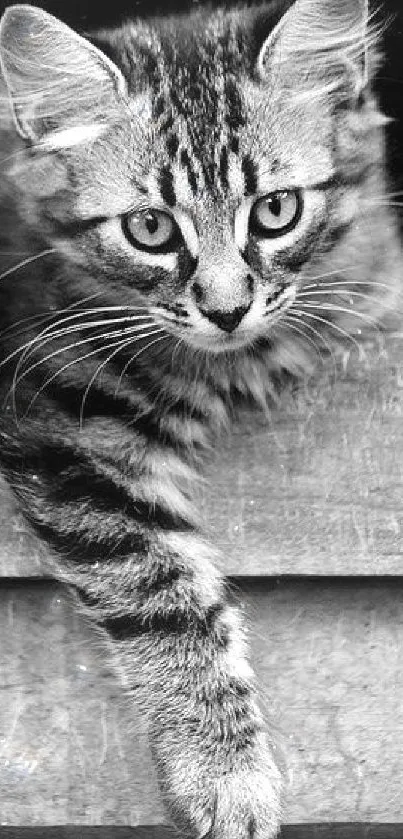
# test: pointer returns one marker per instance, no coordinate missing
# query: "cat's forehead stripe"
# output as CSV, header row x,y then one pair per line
x,y
197,85
166,185
192,175
249,170
232,176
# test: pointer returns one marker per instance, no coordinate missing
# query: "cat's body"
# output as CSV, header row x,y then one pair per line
x,y
178,206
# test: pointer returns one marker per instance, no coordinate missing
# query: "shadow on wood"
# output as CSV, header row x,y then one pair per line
x,y
337,830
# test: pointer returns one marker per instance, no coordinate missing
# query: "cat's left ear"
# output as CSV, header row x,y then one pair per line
x,y
320,38
57,81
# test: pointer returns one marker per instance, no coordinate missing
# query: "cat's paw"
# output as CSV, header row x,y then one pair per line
x,y
237,801
246,807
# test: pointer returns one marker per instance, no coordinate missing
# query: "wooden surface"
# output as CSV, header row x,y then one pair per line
x,y
318,488
328,658
21,554
312,831
314,489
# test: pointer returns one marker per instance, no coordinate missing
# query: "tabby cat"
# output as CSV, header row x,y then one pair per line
x,y
196,204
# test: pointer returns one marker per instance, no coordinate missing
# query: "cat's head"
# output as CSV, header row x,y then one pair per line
x,y
201,166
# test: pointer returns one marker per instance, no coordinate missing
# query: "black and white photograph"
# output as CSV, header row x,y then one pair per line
x,y
201,419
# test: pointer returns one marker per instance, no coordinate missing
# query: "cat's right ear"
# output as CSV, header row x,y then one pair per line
x,y
57,81
321,43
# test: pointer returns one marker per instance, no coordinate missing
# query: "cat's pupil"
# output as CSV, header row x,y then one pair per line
x,y
275,205
151,222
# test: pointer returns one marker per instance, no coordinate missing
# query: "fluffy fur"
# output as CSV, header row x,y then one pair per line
x,y
121,361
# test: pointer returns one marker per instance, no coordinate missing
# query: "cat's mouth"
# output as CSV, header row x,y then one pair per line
x,y
257,323
229,332
217,341
209,338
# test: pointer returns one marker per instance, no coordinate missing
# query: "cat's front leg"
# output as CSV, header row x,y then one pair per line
x,y
180,646
126,540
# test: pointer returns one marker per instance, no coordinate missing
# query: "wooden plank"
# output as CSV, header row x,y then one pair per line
x,y
327,656
311,831
64,735
315,489
21,553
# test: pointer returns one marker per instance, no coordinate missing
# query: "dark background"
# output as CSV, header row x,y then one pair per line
x,y
85,15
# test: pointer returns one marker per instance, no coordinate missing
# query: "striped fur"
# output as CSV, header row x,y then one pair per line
x,y
121,365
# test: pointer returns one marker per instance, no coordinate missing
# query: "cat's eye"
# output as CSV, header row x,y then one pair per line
x,y
151,230
275,214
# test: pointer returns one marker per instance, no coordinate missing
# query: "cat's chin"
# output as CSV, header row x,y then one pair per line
x,y
219,344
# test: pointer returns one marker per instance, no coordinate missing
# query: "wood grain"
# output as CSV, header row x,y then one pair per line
x,y
292,831
313,489
21,553
317,488
328,658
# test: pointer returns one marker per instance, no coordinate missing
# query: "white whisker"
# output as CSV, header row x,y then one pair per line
x,y
48,381
86,313
314,331
382,203
330,292
332,307
103,365
13,155
127,365
48,335
26,262
178,344
345,283
333,273
395,194
40,317
288,321
336,328
132,330
19,378
143,349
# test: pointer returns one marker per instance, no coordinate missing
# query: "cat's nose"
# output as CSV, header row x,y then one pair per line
x,y
206,301
228,321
